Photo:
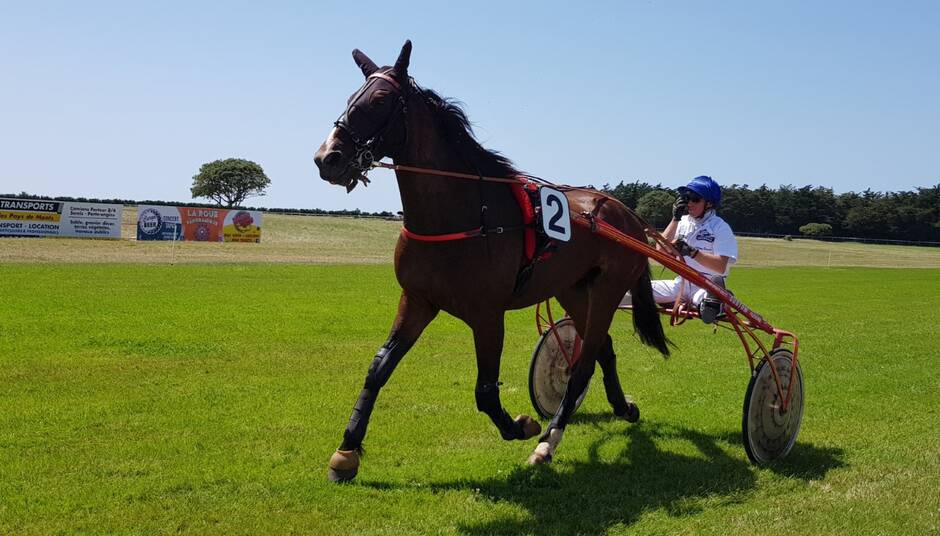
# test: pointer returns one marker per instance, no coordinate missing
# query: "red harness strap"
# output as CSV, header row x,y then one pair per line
x,y
472,233
528,217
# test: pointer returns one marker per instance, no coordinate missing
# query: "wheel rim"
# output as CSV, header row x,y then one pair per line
x,y
770,433
550,372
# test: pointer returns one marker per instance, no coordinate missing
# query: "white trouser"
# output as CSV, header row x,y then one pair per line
x,y
666,291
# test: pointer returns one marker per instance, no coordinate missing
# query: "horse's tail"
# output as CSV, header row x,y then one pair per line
x,y
646,320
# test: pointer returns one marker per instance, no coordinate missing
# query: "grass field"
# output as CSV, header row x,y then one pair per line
x,y
207,396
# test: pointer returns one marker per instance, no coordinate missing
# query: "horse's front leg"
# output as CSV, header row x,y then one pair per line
x,y
413,316
488,340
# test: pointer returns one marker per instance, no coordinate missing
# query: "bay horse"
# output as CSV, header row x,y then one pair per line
x,y
461,251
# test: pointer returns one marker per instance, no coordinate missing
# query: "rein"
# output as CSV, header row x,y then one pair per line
x,y
586,220
472,233
453,174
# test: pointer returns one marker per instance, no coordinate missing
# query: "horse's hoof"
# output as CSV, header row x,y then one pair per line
x,y
344,464
633,412
541,455
339,475
530,427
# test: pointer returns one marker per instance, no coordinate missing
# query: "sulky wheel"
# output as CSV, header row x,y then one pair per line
x,y
549,372
770,433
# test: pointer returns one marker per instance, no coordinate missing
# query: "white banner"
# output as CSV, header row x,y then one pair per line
x,y
40,217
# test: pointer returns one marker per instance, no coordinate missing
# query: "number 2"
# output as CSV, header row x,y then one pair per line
x,y
553,201
556,222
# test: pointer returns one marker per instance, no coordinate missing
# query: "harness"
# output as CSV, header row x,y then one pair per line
x,y
536,245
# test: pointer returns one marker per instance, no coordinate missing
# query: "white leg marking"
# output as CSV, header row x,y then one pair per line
x,y
545,450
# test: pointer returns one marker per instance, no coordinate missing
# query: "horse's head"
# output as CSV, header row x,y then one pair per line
x,y
372,126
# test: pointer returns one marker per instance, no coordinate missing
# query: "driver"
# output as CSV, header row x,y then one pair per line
x,y
705,241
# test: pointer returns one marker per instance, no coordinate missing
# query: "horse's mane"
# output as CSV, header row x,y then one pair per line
x,y
457,129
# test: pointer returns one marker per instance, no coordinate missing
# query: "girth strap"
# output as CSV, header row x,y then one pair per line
x,y
472,233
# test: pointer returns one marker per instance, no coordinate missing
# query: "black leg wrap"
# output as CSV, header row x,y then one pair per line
x,y
608,362
384,363
487,395
359,421
615,396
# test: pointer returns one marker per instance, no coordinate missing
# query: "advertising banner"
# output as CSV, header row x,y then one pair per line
x,y
242,226
38,217
198,224
158,223
202,224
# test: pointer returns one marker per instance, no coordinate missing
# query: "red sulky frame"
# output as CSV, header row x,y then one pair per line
x,y
746,328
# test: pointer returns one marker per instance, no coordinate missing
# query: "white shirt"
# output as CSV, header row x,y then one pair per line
x,y
710,234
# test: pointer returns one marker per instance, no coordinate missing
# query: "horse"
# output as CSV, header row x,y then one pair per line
x,y
461,252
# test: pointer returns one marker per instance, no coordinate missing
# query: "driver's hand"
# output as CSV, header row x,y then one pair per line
x,y
680,207
684,248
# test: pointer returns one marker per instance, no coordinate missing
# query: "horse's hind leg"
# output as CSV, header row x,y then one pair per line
x,y
575,302
592,308
488,340
622,407
413,316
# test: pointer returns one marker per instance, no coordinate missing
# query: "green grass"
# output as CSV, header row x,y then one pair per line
x,y
208,398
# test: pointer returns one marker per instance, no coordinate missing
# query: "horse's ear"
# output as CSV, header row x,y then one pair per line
x,y
401,64
365,64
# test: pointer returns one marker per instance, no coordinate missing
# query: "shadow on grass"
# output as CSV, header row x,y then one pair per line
x,y
594,495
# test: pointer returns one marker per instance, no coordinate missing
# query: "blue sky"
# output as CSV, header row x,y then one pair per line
x,y
127,100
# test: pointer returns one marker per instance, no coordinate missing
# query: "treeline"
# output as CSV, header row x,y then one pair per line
x,y
311,211
907,215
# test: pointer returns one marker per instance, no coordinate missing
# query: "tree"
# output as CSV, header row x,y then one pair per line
x,y
816,230
230,181
656,207
629,194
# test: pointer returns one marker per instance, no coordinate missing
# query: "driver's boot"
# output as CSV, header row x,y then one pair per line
x,y
711,307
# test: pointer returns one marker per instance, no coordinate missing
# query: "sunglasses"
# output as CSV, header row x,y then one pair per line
x,y
694,198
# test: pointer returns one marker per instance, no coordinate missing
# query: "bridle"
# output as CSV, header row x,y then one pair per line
x,y
368,146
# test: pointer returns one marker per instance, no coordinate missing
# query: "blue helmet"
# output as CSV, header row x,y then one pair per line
x,y
705,187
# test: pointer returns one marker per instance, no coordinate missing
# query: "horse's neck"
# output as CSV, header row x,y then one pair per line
x,y
434,204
